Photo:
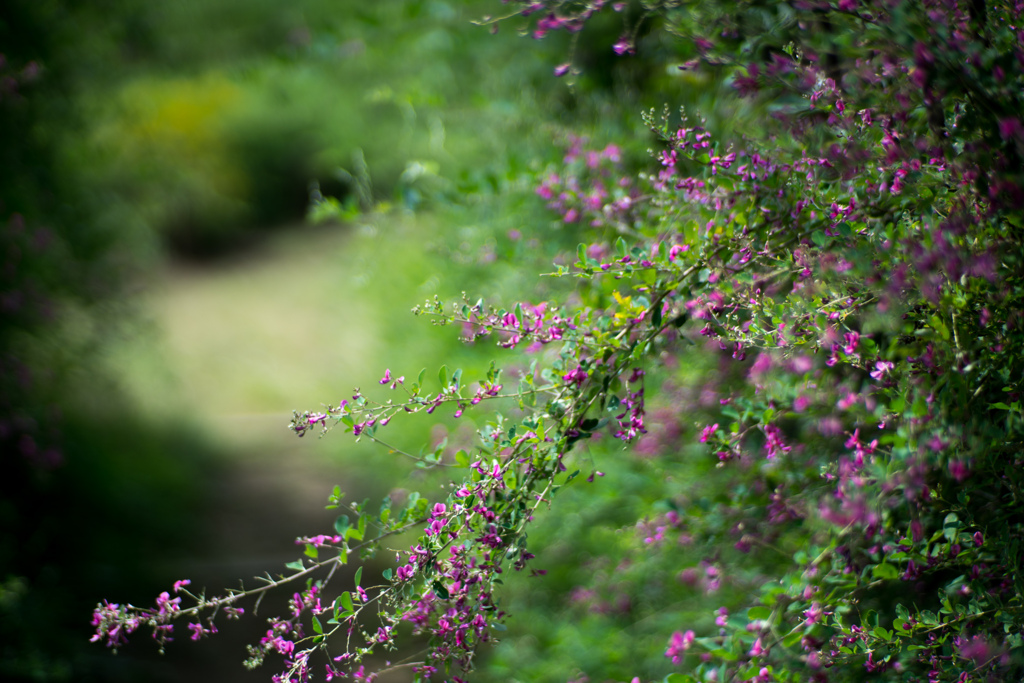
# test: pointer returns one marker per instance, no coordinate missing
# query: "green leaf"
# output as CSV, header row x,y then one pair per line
x,y
386,574
312,551
792,638
357,532
442,376
341,524
758,613
296,565
346,602
724,655
317,626
950,525
359,575
440,589
885,571
679,678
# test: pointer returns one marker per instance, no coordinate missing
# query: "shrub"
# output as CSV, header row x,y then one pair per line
x,y
842,282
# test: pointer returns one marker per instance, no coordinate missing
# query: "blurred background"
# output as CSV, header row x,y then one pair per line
x,y
215,212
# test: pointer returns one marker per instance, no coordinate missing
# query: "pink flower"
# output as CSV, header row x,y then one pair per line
x,y
678,645
813,615
575,376
708,432
676,250
882,367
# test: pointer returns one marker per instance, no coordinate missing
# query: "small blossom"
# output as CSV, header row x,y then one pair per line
x,y
881,369
624,46
678,645
708,432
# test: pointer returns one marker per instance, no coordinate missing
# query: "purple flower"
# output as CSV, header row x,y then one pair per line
x,y
576,376
1011,128
624,46
959,470
977,649
773,444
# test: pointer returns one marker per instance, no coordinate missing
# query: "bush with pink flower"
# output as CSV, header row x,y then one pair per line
x,y
797,354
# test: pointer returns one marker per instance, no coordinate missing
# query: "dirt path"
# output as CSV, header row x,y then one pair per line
x,y
234,348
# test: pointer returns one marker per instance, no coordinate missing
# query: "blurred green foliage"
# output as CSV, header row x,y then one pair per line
x,y
128,127
130,130
211,134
